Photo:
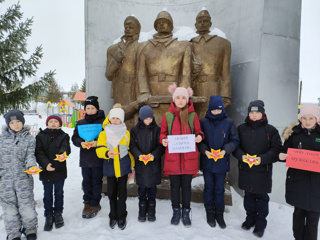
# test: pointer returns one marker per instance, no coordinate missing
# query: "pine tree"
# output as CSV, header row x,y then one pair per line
x,y
54,92
74,89
15,67
83,86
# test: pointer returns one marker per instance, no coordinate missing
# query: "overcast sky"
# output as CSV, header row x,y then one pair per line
x,y
59,27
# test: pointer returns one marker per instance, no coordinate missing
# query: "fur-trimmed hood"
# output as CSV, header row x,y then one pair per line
x,y
289,130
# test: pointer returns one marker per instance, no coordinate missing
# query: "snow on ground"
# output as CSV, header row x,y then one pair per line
x,y
279,219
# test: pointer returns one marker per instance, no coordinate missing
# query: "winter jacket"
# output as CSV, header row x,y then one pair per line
x,y
221,133
16,186
302,187
145,140
49,143
180,163
88,157
261,139
118,165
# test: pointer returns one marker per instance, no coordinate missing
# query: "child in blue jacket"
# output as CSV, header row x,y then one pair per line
x,y
221,134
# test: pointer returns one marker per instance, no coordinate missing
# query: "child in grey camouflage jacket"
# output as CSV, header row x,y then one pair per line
x,y
17,148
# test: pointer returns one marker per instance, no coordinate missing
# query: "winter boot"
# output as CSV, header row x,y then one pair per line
x,y
85,209
142,210
58,220
247,225
219,218
122,224
176,216
49,223
93,211
258,232
210,217
113,223
185,217
151,210
32,236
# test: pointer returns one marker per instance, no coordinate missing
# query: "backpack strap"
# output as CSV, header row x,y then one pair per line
x,y
170,119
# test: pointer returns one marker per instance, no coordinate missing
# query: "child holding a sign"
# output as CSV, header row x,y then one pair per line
x,y
180,166
113,147
85,137
302,186
52,143
260,144
16,186
220,141
147,151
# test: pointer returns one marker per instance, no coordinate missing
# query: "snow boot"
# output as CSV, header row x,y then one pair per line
x,y
113,223
219,218
258,232
151,210
122,224
93,211
58,220
32,236
185,217
210,217
176,216
85,209
48,225
142,210
247,225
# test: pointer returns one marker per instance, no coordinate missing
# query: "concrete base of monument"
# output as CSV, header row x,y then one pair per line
x,y
163,191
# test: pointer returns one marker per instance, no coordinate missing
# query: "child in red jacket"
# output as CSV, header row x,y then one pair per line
x,y
180,120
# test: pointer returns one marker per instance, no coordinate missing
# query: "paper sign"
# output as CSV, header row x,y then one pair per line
x,y
215,154
303,159
181,143
146,158
89,132
251,160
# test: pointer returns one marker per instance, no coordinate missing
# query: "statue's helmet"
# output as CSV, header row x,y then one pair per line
x,y
164,15
135,21
203,13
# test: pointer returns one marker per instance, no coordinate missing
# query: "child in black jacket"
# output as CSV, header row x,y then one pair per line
x,y
144,141
49,143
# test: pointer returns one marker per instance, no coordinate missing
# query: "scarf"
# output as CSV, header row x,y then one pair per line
x,y
114,134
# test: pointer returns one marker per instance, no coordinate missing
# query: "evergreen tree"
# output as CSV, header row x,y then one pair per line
x,y
15,67
83,86
54,92
74,89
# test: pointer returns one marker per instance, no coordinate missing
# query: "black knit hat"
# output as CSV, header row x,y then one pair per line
x,y
256,106
14,115
92,100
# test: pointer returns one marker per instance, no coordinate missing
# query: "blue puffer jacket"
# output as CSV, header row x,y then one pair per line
x,y
221,133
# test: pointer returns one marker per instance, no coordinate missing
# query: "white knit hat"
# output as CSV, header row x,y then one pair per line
x,y
117,112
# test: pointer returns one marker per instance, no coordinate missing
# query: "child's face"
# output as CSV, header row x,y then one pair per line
x,y
115,121
180,101
147,121
255,116
91,110
16,125
216,111
53,124
308,121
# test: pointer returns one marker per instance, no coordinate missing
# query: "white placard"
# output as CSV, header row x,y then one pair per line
x,y
181,143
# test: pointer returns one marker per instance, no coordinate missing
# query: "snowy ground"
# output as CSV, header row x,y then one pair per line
x,y
279,219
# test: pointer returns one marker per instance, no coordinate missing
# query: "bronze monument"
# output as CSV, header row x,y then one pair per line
x,y
213,52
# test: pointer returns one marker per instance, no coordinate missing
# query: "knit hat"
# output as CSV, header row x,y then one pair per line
x,y
117,112
14,115
309,109
92,100
145,112
256,106
56,117
180,91
215,103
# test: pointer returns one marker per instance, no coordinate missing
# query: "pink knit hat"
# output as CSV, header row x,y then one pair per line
x,y
309,109
180,91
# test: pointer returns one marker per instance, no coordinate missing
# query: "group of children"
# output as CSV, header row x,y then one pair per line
x,y
114,152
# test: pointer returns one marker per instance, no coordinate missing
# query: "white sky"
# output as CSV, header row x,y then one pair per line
x,y
59,27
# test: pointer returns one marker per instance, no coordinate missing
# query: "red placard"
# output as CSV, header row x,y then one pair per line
x,y
303,159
